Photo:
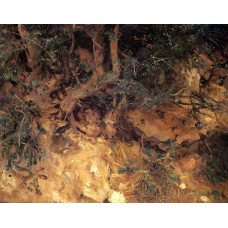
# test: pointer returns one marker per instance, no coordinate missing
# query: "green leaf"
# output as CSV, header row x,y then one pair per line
x,y
174,177
121,170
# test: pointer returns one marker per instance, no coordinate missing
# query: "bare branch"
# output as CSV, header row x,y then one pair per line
x,y
72,40
32,48
114,51
98,49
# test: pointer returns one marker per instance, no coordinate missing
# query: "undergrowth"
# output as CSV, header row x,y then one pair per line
x,y
160,180
19,145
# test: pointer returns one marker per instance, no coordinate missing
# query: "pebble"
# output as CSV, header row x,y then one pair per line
x,y
204,199
182,186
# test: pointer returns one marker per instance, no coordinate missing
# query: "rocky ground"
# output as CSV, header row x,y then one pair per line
x,y
175,152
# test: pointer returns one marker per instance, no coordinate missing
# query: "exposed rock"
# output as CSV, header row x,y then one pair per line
x,y
188,163
185,77
205,70
182,186
117,197
204,199
80,175
216,92
110,121
164,123
206,60
89,123
193,79
207,75
74,136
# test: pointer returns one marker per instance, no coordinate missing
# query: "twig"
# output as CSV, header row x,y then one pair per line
x,y
76,78
180,106
179,91
72,43
90,36
209,148
4,113
147,173
33,42
24,105
19,132
36,145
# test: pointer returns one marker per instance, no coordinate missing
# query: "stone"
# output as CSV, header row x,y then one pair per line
x,y
193,79
206,60
171,125
207,75
204,199
117,197
182,186
188,163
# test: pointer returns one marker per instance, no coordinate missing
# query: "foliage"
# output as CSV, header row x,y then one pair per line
x,y
19,147
10,48
159,179
217,167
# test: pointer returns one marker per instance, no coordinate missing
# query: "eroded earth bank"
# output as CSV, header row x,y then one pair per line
x,y
109,113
